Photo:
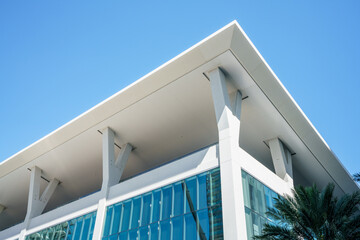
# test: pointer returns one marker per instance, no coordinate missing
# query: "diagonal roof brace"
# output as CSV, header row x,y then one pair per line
x,y
282,160
37,203
113,168
112,172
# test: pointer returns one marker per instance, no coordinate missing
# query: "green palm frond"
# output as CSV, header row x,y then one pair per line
x,y
313,215
357,177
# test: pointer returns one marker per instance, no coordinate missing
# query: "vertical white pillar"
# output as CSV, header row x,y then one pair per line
x,y
228,122
112,171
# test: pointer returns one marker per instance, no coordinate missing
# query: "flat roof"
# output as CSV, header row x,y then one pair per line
x,y
169,113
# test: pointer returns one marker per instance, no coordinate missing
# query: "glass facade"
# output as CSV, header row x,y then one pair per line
x,y
257,199
187,209
80,228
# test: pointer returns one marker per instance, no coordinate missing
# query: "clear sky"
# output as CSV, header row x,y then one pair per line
x,y
60,58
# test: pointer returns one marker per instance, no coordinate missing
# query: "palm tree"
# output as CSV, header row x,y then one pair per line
x,y
313,215
357,177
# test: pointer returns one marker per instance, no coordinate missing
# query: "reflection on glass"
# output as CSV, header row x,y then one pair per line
x,y
257,200
203,218
203,196
187,209
190,191
78,228
178,199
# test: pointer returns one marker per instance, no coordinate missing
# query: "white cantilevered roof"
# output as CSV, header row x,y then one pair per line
x,y
169,113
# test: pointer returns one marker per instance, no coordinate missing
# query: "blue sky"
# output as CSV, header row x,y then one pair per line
x,y
60,58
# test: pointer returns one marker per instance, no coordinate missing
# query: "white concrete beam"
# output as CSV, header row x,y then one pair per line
x,y
121,161
282,160
112,172
37,203
113,169
228,122
237,105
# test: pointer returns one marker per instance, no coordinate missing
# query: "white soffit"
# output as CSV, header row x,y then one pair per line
x,y
168,113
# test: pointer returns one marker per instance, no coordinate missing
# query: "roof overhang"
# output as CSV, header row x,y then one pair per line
x,y
169,113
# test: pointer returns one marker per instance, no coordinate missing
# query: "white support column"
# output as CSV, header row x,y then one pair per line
x,y
282,161
37,203
228,121
112,171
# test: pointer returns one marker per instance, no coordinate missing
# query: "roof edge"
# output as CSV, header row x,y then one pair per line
x,y
266,79
189,60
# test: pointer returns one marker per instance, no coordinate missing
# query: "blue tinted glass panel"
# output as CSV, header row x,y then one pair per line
x,y
146,212
113,237
135,216
178,199
166,202
177,224
123,236
154,231
126,215
258,198
190,227
165,230
115,225
214,187
215,222
85,230
203,200
191,194
71,230
108,221
203,218
156,205
78,228
92,225
144,233
133,234
187,209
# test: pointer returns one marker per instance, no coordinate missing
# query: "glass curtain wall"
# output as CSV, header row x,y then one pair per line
x,y
188,209
78,228
257,199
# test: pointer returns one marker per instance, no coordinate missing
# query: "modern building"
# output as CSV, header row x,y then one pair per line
x,y
196,149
